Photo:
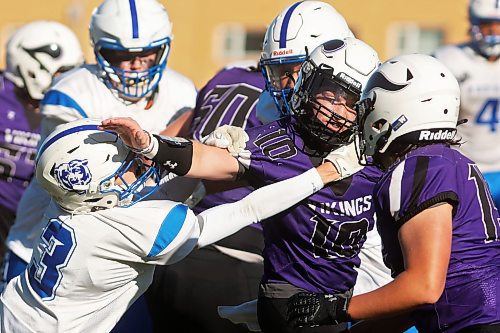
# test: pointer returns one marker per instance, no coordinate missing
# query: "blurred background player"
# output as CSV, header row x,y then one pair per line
x,y
131,41
435,215
101,242
230,98
476,66
36,54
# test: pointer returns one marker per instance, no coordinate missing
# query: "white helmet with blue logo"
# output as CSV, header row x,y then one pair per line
x,y
485,11
136,27
83,168
296,31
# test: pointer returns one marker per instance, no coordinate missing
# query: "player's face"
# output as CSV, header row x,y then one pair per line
x,y
133,61
284,76
490,28
136,170
333,110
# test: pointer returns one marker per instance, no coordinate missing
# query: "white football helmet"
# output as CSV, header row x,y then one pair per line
x,y
297,30
410,99
79,166
342,67
39,50
484,11
122,29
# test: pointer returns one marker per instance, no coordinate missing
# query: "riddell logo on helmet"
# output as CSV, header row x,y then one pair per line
x,y
436,135
282,52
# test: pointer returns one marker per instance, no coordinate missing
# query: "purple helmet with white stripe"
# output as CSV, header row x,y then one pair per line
x,y
122,29
297,30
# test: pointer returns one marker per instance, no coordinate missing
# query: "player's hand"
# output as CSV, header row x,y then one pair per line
x,y
232,138
129,131
345,160
305,309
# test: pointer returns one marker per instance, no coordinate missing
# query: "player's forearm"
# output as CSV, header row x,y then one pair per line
x,y
191,158
405,293
224,220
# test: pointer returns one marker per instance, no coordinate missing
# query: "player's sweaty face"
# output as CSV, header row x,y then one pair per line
x,y
333,110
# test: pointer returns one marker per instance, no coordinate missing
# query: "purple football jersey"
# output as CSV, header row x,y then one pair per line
x,y
229,98
19,136
433,174
315,244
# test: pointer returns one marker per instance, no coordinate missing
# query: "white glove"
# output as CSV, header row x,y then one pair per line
x,y
345,160
233,138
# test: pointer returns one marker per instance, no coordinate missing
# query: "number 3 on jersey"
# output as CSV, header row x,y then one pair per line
x,y
58,244
489,114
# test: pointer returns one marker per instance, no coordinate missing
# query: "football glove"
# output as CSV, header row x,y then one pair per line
x,y
345,160
232,138
306,309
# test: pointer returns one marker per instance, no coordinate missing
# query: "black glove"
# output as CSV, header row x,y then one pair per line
x,y
305,309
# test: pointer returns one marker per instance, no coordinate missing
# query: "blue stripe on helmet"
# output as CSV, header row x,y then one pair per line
x,y
58,98
286,21
135,24
67,132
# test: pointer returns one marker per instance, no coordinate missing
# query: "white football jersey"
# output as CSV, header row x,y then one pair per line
x,y
86,270
81,94
480,103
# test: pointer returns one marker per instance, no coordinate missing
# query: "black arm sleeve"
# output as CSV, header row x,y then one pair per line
x,y
174,153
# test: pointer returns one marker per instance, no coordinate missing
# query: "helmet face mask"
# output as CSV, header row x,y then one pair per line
x,y
123,32
39,51
281,75
411,100
85,169
319,112
300,27
484,16
328,87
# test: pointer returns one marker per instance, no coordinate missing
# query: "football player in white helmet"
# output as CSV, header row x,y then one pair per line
x,y
36,54
131,39
101,241
476,65
304,238
436,217
297,30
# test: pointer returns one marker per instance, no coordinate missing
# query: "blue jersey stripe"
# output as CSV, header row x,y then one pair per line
x,y
135,23
284,26
57,98
67,132
169,229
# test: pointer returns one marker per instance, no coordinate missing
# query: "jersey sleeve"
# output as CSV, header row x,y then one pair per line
x,y
65,102
155,231
417,184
